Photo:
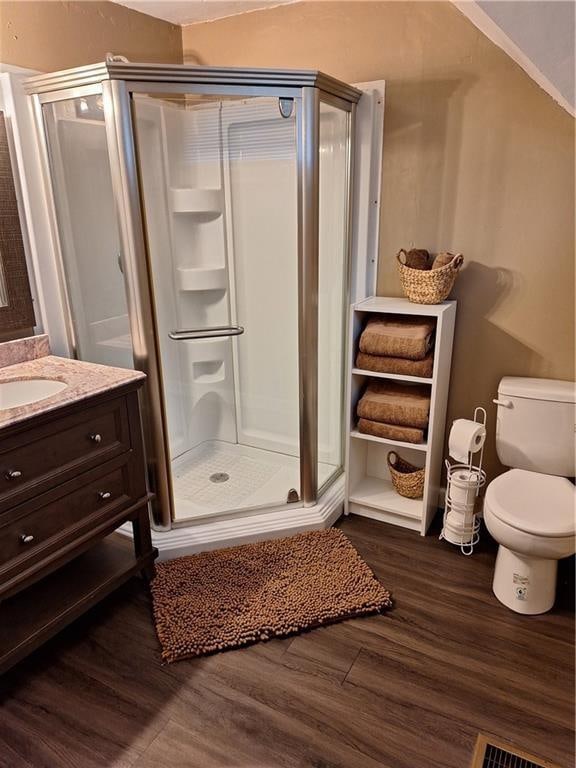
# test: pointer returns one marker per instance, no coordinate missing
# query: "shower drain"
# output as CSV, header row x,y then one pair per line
x,y
219,477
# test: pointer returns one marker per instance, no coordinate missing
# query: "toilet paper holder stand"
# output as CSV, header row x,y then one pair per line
x,y
461,525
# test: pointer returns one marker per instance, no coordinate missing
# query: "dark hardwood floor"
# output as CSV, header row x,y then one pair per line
x,y
410,689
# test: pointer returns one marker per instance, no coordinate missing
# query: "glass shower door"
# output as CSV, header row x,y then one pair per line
x,y
218,180
334,140
88,229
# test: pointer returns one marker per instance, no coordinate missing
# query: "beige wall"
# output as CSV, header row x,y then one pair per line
x,y
476,159
49,36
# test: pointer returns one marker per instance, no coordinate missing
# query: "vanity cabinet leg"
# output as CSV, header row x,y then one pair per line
x,y
143,540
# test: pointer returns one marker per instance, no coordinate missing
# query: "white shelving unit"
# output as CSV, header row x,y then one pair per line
x,y
369,490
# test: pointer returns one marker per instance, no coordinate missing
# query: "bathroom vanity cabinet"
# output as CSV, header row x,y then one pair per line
x,y
68,478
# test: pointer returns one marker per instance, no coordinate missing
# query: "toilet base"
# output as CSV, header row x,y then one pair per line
x,y
524,584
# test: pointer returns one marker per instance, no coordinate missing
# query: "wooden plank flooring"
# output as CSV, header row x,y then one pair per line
x,y
410,689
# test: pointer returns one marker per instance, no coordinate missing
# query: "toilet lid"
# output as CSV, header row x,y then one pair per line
x,y
544,505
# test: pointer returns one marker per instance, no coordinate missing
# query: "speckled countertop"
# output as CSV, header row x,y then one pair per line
x,y
84,380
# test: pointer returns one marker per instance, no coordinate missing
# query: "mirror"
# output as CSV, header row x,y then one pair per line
x,y
16,307
3,289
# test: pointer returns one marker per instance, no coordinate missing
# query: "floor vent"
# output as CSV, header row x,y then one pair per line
x,y
493,753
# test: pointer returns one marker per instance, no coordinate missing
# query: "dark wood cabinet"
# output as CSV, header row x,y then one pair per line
x,y
68,479
37,458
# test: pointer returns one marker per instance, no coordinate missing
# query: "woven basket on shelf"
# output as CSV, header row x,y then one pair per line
x,y
428,286
407,479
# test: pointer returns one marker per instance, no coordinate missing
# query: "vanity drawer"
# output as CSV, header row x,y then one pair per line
x,y
46,455
60,515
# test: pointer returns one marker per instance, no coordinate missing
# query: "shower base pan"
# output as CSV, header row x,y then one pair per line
x,y
222,478
216,526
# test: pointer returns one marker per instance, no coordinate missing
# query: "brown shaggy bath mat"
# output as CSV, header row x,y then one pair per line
x,y
215,601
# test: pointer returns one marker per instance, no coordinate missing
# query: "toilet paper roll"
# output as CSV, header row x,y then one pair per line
x,y
463,487
466,436
458,529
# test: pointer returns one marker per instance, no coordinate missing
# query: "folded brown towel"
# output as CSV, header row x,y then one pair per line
x,y
393,403
391,431
399,365
417,258
393,336
442,259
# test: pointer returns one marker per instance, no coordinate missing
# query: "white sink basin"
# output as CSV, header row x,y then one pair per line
x,y
26,391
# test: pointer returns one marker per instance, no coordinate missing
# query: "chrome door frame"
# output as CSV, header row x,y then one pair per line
x,y
350,108
308,143
139,291
117,91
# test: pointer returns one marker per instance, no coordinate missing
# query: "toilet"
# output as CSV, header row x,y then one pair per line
x,y
531,509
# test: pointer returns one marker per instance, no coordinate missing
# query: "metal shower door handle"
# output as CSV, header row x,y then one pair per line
x,y
207,333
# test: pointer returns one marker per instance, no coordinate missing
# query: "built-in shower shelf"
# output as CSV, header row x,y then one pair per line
x,y
207,202
207,350
117,342
202,279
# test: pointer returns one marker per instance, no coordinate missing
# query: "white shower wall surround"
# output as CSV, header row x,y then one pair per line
x,y
227,189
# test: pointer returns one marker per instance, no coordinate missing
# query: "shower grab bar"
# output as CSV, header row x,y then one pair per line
x,y
207,333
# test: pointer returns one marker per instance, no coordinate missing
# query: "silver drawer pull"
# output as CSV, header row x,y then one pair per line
x,y
95,437
13,474
26,538
103,495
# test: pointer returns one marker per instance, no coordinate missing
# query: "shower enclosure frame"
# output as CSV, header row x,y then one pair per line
x,y
117,82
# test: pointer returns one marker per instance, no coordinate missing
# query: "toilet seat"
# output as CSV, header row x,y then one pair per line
x,y
542,505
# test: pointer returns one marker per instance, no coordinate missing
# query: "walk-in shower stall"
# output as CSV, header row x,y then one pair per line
x,y
202,216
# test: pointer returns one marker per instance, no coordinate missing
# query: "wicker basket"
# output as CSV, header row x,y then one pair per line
x,y
407,479
428,286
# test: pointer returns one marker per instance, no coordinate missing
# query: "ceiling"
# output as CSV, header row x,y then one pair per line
x,y
193,11
537,34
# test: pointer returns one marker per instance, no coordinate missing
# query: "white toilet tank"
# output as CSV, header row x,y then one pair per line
x,y
535,427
